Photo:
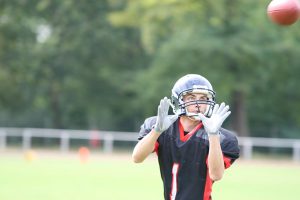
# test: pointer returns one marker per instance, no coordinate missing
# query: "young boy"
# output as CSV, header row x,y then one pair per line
x,y
192,148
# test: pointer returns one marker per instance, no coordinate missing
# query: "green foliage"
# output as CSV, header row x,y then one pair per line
x,y
235,47
106,65
75,76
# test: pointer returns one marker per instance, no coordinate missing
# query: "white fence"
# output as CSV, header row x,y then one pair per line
x,y
107,139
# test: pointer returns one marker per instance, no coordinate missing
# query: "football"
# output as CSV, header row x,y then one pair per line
x,y
284,12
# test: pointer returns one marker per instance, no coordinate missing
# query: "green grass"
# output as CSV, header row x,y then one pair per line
x,y
65,178
268,181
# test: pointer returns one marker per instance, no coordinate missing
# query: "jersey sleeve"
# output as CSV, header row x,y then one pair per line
x,y
146,127
230,147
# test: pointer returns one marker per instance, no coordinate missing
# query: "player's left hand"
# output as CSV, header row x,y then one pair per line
x,y
214,123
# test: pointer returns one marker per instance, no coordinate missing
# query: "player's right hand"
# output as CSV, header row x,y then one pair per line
x,y
164,121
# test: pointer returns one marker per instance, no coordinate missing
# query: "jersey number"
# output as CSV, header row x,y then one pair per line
x,y
174,181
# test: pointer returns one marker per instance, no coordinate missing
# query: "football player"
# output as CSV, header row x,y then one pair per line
x,y
193,149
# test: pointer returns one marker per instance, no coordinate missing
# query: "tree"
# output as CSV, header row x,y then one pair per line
x,y
74,63
225,41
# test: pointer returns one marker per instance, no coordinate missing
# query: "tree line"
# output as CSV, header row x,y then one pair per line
x,y
106,64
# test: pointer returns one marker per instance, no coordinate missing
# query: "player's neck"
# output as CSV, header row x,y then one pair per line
x,y
188,123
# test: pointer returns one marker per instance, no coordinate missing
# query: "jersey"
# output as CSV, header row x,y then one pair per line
x,y
183,159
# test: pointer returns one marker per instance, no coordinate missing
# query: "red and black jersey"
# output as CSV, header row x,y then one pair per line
x,y
183,159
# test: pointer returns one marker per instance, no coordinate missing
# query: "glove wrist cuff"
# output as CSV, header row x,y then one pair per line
x,y
157,130
215,133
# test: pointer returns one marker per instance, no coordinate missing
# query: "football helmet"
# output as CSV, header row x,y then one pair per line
x,y
192,83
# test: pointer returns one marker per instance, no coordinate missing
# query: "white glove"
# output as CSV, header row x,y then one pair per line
x,y
214,123
163,121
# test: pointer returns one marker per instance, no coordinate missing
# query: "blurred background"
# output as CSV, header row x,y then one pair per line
x,y
87,73
106,64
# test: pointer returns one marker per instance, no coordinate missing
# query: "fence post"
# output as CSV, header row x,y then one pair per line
x,y
247,151
2,140
296,151
108,143
64,142
26,140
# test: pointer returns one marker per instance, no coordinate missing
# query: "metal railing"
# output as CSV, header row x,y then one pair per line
x,y
108,138
247,144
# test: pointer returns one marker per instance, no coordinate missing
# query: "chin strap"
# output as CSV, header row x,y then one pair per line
x,y
196,115
193,116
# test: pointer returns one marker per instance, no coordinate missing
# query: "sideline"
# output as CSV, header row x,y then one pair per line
x,y
96,155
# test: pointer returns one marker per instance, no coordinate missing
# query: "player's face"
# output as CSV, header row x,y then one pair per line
x,y
195,100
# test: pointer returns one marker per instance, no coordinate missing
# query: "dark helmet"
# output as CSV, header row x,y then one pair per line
x,y
192,83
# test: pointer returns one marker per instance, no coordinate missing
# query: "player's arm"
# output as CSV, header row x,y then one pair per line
x,y
146,146
215,160
212,126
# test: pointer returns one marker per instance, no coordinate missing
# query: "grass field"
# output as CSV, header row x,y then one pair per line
x,y
115,177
